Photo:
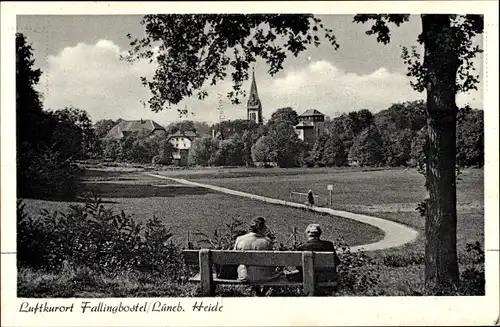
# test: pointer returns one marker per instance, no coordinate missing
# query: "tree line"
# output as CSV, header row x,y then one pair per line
x,y
394,137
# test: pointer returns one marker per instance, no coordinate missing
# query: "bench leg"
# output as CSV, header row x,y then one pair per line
x,y
206,280
308,273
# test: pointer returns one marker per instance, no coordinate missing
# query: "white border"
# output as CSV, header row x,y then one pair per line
x,y
262,311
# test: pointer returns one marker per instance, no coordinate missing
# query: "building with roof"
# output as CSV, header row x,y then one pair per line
x,y
140,127
181,142
311,126
254,106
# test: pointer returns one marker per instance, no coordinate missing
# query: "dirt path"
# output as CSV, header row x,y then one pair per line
x,y
395,234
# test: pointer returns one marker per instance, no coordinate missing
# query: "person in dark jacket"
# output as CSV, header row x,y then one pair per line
x,y
310,198
315,244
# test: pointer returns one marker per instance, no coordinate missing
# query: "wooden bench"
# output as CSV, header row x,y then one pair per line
x,y
205,259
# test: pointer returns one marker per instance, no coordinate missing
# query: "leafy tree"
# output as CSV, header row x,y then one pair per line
x,y
286,145
43,166
315,157
164,152
249,138
470,140
262,150
446,69
334,153
229,152
103,126
367,147
227,128
111,149
397,147
287,115
400,116
196,49
75,126
362,120
202,150
201,128
29,115
348,126
470,137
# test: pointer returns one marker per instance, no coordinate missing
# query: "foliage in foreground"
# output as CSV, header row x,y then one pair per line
x,y
91,251
94,237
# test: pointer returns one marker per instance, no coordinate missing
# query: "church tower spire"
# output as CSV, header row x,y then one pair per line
x,y
254,106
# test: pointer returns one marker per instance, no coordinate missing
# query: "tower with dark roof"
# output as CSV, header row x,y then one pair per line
x,y
311,126
254,106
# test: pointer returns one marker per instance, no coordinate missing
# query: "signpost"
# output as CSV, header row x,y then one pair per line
x,y
330,197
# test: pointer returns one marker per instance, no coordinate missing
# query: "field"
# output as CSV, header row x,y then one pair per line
x,y
390,194
196,209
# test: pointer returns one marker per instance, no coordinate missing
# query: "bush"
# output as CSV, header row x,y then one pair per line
x,y
92,236
403,260
221,239
45,174
357,272
472,277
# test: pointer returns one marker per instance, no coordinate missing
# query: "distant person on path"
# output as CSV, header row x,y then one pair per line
x,y
255,240
310,199
314,243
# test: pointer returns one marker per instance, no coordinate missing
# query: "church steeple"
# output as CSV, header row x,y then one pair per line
x,y
254,106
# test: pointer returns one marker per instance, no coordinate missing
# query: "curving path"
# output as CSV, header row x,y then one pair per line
x,y
395,234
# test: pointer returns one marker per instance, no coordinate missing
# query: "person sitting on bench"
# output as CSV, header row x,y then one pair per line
x,y
255,240
314,243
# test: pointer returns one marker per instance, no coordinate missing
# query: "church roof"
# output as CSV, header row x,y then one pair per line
x,y
311,112
253,97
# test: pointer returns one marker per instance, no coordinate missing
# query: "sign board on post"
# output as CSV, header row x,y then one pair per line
x,y
330,189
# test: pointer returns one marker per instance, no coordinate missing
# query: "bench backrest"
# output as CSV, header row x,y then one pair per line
x,y
260,258
307,260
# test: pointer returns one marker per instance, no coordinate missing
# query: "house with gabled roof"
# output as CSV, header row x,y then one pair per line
x,y
181,142
311,126
140,127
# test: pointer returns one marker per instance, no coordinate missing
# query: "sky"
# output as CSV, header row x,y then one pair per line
x,y
79,59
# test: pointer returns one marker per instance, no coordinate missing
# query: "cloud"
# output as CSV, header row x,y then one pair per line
x,y
91,77
323,86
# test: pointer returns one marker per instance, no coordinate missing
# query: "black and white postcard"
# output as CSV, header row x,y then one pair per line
x,y
249,163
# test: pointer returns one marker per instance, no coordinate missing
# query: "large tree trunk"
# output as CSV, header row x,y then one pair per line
x,y
441,63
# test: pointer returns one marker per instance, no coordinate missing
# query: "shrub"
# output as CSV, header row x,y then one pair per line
x,y
46,174
403,260
92,236
221,239
472,277
357,272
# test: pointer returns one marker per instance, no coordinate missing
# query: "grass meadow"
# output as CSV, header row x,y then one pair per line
x,y
390,194
195,209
